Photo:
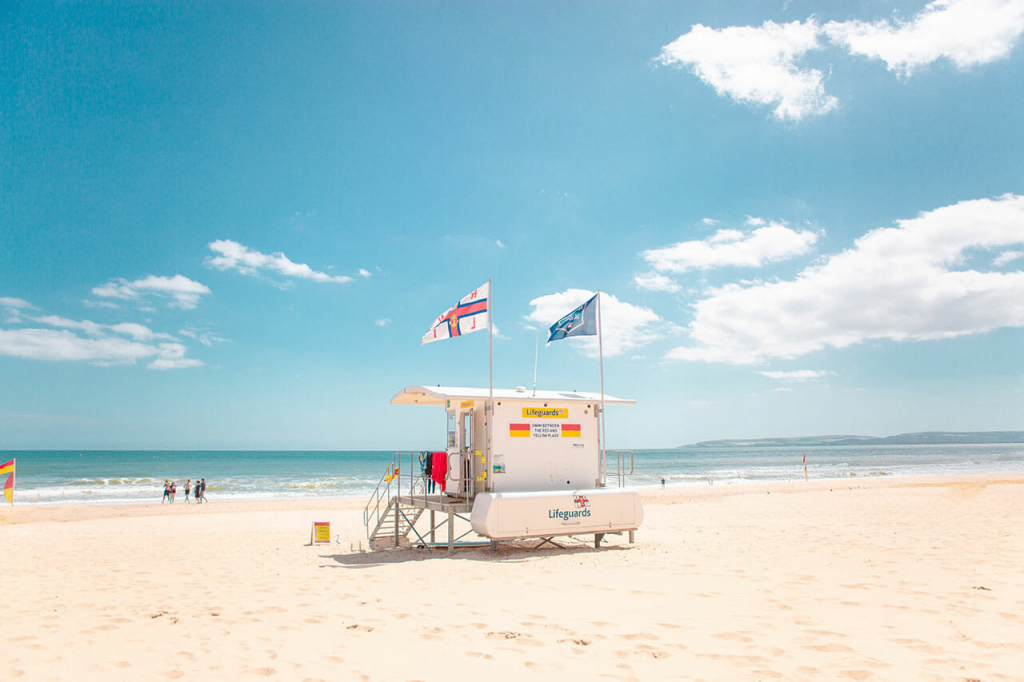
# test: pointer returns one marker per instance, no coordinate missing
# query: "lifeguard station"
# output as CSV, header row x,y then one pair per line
x,y
534,468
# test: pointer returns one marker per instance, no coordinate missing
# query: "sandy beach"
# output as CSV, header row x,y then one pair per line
x,y
890,579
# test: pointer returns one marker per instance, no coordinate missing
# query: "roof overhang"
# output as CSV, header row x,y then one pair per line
x,y
439,395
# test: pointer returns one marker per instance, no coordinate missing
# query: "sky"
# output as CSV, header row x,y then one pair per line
x,y
228,225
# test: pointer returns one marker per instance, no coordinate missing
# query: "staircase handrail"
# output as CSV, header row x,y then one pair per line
x,y
376,498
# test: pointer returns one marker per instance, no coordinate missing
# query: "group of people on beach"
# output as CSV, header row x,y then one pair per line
x,y
199,490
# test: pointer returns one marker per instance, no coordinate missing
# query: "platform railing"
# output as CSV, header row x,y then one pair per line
x,y
622,458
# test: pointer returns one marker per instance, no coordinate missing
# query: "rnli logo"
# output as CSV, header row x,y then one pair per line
x,y
453,325
580,501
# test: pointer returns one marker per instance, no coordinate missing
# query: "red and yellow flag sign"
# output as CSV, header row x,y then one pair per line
x,y
8,468
570,430
519,430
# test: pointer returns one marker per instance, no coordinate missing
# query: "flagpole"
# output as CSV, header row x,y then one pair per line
x,y
536,349
489,412
600,353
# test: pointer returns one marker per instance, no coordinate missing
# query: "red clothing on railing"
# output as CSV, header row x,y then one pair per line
x,y
440,468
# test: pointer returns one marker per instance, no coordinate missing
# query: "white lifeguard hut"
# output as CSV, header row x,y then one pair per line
x,y
533,468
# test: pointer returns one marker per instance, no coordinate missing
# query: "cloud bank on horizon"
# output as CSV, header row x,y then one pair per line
x,y
761,65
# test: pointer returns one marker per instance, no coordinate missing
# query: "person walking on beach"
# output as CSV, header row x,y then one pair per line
x,y
202,490
188,489
174,490
167,491
198,493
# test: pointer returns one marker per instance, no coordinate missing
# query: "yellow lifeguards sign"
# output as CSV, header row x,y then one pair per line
x,y
321,534
545,413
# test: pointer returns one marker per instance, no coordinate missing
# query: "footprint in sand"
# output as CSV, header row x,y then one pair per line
x,y
503,634
579,641
264,672
830,648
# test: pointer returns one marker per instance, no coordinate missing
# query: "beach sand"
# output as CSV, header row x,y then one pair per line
x,y
892,579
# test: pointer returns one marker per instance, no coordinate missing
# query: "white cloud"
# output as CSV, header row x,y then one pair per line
x,y
762,65
14,307
100,344
183,292
797,376
499,244
652,281
172,356
54,344
364,272
754,222
1006,257
235,256
773,242
17,303
138,332
87,326
203,337
898,283
709,221
383,322
967,32
625,327
757,65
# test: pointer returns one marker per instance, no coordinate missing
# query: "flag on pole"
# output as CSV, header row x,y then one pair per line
x,y
471,314
8,468
805,465
580,322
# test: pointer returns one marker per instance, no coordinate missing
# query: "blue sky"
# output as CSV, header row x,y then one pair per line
x,y
228,225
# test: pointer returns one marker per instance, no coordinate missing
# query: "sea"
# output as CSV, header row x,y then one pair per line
x,y
65,477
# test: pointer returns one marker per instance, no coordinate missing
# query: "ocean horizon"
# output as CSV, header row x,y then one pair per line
x,y
69,477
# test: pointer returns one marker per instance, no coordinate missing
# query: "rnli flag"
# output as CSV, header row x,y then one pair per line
x,y
580,322
8,468
471,314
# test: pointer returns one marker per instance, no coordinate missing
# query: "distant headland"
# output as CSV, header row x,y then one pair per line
x,y
923,438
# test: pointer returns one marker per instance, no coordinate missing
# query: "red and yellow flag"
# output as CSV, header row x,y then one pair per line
x,y
8,468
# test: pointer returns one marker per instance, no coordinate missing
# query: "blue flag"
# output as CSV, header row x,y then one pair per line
x,y
580,322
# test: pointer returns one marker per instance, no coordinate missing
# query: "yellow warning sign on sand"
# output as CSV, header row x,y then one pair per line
x,y
321,533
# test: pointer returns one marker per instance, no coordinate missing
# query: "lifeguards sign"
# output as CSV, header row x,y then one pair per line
x,y
321,534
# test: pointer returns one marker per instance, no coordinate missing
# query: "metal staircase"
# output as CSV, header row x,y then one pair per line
x,y
396,522
385,517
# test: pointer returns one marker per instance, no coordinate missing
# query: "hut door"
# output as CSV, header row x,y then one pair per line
x,y
466,440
